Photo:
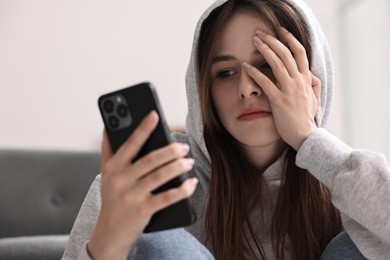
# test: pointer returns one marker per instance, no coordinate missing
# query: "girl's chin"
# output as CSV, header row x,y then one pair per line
x,y
262,142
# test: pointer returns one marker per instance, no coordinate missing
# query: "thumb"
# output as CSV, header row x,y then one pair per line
x,y
316,85
106,149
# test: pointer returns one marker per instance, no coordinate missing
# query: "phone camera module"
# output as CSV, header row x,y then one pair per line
x,y
116,112
108,106
122,111
113,121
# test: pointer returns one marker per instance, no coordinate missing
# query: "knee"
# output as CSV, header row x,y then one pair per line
x,y
341,247
170,244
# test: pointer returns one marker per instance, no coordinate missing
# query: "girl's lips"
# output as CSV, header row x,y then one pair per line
x,y
253,116
252,113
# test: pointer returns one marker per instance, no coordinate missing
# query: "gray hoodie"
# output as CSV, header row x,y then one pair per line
x,y
359,179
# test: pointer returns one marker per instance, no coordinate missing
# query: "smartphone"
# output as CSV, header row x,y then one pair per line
x,y
122,111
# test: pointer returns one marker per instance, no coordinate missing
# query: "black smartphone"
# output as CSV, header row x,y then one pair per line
x,y
122,111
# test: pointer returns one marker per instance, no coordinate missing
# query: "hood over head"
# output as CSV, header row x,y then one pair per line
x,y
321,66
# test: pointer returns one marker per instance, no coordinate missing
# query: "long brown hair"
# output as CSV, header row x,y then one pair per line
x,y
304,219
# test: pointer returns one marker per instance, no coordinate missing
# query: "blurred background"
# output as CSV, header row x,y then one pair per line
x,y
58,57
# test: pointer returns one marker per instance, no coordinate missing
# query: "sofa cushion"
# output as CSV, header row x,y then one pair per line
x,y
41,191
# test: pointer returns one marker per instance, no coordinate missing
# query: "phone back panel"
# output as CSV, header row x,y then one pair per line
x,y
141,99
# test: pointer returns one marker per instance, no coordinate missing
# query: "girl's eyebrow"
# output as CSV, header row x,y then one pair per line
x,y
223,58
220,58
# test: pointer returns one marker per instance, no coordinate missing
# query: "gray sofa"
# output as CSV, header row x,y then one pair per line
x,y
40,195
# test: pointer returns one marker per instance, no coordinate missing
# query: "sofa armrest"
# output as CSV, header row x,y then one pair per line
x,y
33,247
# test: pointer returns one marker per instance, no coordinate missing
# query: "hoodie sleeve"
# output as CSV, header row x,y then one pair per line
x,y
84,224
360,184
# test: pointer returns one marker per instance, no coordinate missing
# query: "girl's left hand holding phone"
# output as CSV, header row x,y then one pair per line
x,y
295,96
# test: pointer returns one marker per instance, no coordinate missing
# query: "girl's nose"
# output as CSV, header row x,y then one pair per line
x,y
248,87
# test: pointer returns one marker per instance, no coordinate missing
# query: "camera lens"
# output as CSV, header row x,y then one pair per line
x,y
113,121
108,106
122,110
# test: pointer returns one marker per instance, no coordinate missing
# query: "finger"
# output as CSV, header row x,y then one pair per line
x,y
281,51
156,159
297,49
106,149
263,81
137,139
171,196
278,68
165,173
316,84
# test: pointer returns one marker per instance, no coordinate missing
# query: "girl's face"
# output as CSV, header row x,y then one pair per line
x,y
243,108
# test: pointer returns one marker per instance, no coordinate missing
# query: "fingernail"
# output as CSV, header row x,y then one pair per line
x,y
194,181
260,32
283,29
257,40
150,117
186,147
190,161
246,65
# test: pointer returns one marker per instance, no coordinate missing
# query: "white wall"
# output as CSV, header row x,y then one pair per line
x,y
57,57
329,17
366,45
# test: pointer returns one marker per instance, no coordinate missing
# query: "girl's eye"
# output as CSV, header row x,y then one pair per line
x,y
265,66
225,73
266,69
